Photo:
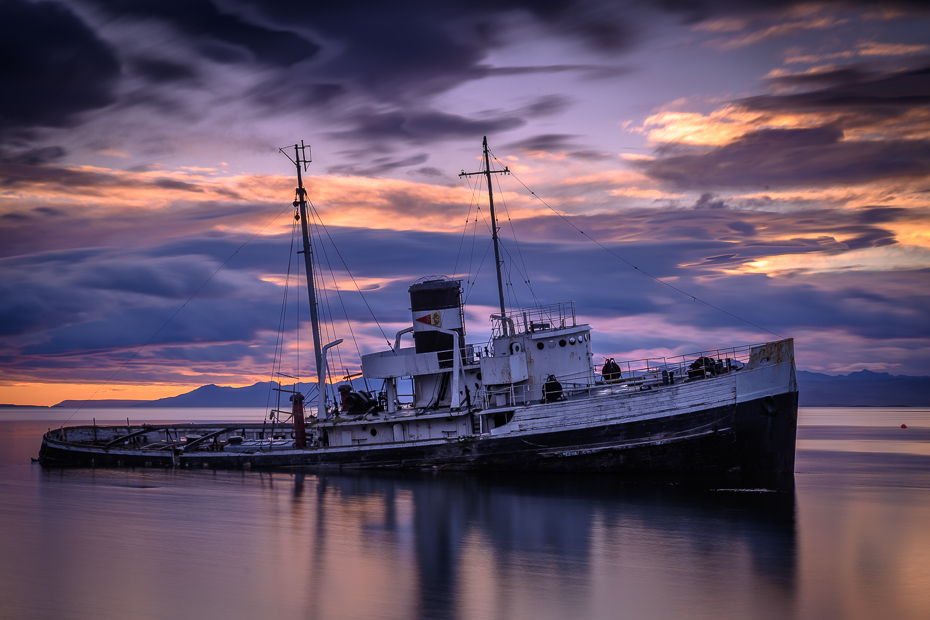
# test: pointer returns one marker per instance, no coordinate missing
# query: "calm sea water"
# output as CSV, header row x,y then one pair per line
x,y
850,540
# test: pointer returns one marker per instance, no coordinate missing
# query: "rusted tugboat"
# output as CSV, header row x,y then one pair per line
x,y
531,400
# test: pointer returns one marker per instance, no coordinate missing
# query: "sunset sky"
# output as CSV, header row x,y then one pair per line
x,y
769,158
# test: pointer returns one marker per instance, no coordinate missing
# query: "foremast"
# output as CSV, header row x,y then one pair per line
x,y
487,172
301,161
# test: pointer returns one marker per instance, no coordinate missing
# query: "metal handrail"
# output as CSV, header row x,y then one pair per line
x,y
635,373
537,318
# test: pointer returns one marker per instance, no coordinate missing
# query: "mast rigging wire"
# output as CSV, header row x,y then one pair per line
x,y
319,279
474,200
525,274
181,307
646,273
279,338
357,287
345,312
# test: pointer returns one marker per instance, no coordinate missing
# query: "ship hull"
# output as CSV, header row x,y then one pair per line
x,y
742,421
756,436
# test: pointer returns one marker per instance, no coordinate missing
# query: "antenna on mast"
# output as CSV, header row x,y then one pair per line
x,y
487,172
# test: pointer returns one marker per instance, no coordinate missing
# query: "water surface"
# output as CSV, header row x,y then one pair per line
x,y
850,538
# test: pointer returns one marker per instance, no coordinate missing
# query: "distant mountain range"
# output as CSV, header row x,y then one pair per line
x,y
205,396
863,389
857,389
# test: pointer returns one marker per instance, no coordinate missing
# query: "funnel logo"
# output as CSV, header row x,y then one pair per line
x,y
434,319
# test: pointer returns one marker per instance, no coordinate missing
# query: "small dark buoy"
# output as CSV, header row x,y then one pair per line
x,y
904,426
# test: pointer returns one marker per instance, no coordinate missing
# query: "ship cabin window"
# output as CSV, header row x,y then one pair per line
x,y
562,342
540,346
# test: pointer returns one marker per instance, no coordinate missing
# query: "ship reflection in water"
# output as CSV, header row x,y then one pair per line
x,y
582,547
425,546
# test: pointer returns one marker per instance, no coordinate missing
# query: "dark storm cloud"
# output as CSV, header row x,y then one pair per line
x,y
27,169
80,311
589,71
752,234
168,278
408,24
394,49
379,166
220,34
744,228
52,66
546,106
863,93
427,171
881,215
548,142
362,66
68,302
278,92
819,301
35,167
590,155
697,10
163,71
709,201
425,126
32,157
556,143
33,231
865,98
794,157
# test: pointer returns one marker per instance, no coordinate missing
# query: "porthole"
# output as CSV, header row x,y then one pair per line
x,y
552,344
540,346
562,342
374,432
478,376
571,340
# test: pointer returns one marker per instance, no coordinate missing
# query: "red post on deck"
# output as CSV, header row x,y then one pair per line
x,y
297,410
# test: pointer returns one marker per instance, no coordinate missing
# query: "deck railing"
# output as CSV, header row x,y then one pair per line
x,y
635,375
537,318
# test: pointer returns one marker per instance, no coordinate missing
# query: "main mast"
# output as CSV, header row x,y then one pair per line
x,y
301,161
487,172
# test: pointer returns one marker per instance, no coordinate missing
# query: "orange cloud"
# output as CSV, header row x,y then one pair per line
x,y
887,258
862,48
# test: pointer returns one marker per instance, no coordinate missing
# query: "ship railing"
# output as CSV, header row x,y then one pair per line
x,y
677,368
504,396
635,375
158,437
535,319
524,394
